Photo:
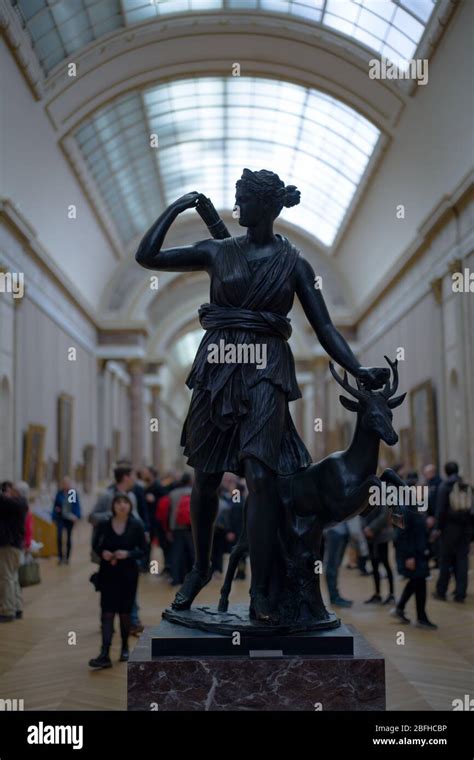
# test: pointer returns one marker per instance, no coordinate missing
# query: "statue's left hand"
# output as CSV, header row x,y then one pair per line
x,y
373,378
204,203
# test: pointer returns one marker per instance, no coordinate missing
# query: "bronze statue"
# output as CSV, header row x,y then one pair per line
x,y
238,420
330,491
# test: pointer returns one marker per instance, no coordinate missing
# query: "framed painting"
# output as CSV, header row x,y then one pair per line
x,y
65,420
33,451
424,443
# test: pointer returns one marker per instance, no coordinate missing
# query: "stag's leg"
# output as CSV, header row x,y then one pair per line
x,y
235,556
390,476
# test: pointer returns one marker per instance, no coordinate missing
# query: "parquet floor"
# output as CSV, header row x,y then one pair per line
x,y
40,664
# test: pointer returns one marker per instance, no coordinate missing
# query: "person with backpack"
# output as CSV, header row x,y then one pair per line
x,y
179,522
454,510
66,512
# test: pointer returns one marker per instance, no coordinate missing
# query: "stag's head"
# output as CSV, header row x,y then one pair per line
x,y
373,407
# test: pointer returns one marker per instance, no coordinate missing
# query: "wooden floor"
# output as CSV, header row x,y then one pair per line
x,y
38,665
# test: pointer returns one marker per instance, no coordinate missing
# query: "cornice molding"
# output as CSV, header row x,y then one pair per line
x,y
445,208
19,225
20,44
425,277
264,46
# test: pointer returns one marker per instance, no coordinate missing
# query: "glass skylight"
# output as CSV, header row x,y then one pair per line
x,y
115,144
60,27
392,28
208,130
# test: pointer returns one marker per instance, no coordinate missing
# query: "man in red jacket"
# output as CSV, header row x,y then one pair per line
x,y
179,521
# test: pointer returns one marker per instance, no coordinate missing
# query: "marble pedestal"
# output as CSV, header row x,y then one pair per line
x,y
253,679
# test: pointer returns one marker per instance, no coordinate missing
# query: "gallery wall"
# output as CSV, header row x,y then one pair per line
x,y
37,179
425,162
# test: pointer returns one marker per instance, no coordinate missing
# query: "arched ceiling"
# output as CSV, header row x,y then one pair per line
x,y
207,129
139,55
59,28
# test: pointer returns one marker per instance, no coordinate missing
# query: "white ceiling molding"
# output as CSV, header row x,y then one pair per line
x,y
59,29
22,49
290,51
16,219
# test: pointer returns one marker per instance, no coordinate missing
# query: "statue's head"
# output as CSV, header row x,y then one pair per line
x,y
262,194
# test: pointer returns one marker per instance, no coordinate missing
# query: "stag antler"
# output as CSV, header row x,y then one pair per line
x,y
389,390
358,393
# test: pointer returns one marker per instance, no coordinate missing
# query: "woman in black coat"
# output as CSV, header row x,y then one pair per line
x,y
119,542
412,561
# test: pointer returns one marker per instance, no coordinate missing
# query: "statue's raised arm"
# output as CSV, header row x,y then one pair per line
x,y
189,258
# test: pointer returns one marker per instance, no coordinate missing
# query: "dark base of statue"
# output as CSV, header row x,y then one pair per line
x,y
208,618
177,668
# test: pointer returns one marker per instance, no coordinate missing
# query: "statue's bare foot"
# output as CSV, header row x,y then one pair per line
x,y
193,583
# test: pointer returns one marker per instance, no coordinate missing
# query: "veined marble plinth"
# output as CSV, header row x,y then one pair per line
x,y
246,679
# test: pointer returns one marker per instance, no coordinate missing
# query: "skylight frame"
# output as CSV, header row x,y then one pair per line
x,y
186,161
323,13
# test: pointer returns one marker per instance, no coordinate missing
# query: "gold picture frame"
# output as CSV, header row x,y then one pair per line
x,y
65,429
33,454
424,442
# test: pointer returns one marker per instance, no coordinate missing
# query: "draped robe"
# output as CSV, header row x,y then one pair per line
x,y
241,409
